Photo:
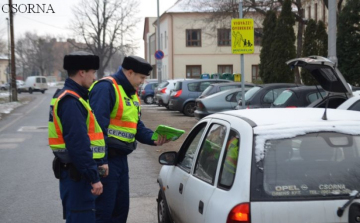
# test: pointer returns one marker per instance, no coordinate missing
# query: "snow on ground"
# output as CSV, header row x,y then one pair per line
x,y
5,106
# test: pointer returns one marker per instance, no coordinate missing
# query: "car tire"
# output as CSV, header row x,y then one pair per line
x,y
162,209
149,100
43,91
189,109
30,90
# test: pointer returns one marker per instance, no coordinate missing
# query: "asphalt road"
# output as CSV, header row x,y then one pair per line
x,y
28,190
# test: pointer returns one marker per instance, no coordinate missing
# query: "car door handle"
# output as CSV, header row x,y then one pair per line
x,y
201,207
181,188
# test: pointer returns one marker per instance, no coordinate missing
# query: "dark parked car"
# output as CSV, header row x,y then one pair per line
x,y
298,97
147,92
141,87
185,92
329,77
218,102
214,88
263,96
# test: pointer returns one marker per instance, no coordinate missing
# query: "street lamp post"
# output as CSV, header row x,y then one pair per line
x,y
158,62
8,79
332,32
242,62
13,71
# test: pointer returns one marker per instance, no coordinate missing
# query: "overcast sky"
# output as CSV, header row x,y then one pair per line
x,y
56,24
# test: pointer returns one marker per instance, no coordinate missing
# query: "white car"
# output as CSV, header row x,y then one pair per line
x,y
352,103
329,77
34,83
288,165
163,91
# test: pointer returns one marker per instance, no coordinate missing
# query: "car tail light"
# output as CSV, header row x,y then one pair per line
x,y
178,93
163,90
240,213
291,107
199,105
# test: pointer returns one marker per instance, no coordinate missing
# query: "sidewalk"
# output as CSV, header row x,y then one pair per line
x,y
6,107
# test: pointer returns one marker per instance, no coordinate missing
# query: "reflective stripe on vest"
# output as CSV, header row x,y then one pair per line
x,y
56,140
125,115
232,156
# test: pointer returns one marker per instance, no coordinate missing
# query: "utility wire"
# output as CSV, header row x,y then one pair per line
x,y
41,22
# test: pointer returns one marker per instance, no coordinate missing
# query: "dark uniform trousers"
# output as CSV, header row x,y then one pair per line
x,y
77,200
112,206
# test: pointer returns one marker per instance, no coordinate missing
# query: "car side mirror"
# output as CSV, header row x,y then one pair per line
x,y
168,158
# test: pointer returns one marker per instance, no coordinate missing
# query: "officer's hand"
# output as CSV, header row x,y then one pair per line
x,y
97,188
106,168
161,140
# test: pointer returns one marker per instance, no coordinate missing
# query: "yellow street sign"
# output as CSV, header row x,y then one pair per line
x,y
242,36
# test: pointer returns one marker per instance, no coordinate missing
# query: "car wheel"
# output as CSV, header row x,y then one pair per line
x,y
43,91
189,109
162,210
149,100
30,90
167,107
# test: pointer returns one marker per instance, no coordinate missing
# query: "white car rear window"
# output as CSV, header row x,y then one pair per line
x,y
317,164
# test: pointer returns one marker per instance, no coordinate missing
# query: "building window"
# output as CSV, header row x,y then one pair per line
x,y
224,37
316,8
225,69
324,12
193,37
258,33
193,71
255,77
309,12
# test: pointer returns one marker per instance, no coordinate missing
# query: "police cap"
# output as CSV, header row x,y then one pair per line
x,y
137,64
81,60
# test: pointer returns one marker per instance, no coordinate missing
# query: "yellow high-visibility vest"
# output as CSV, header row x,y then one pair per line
x,y
125,115
232,156
56,140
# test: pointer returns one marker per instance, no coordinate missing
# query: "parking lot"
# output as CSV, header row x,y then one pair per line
x,y
153,115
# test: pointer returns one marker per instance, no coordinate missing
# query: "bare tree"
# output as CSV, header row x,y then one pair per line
x,y
106,26
35,54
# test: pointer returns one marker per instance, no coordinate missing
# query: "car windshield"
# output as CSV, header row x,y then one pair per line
x,y
318,164
224,88
178,86
163,84
251,92
283,97
207,90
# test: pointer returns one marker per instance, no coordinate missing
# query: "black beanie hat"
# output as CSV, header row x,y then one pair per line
x,y
137,64
81,61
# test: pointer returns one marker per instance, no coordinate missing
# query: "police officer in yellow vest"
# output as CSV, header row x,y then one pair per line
x,y
117,108
76,140
232,152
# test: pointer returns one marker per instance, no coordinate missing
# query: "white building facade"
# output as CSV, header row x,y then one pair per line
x,y
191,48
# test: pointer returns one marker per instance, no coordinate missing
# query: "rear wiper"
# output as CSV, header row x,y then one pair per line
x,y
354,194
